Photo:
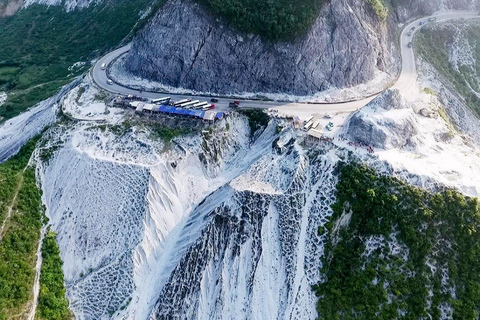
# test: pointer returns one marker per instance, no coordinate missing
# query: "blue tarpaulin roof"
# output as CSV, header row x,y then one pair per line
x,y
181,111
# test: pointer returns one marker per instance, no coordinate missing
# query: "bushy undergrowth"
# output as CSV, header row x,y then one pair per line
x,y
379,7
52,304
441,229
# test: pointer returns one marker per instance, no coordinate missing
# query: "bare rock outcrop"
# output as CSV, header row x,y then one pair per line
x,y
386,122
186,46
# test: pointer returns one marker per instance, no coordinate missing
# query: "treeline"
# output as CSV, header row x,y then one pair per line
x,y
440,228
19,241
274,20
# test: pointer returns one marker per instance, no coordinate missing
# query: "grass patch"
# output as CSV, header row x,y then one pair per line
x,y
52,304
40,45
20,237
440,228
443,114
169,133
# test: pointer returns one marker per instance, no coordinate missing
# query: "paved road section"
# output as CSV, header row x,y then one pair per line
x,y
407,78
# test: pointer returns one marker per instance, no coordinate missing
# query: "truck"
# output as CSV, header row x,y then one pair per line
x,y
189,104
308,125
176,104
200,105
308,120
165,100
208,107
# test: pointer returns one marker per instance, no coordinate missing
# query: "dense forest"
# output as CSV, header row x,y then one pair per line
x,y
274,20
277,20
404,251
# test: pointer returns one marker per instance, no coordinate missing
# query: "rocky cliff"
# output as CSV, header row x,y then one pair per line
x,y
185,46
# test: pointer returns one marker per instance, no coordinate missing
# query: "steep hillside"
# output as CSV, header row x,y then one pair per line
x,y
453,50
405,9
45,47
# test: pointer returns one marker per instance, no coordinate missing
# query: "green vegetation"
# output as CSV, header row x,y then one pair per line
x,y
434,43
52,304
168,133
41,44
439,228
257,119
444,116
19,240
274,20
379,7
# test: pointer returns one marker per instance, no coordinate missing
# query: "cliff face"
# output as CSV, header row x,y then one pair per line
x,y
185,46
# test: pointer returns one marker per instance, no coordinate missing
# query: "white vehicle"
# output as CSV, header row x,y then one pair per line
x,y
188,104
315,124
208,107
104,66
181,102
308,120
308,125
109,81
200,105
161,100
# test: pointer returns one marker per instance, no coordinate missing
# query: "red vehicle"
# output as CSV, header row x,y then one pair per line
x,y
236,102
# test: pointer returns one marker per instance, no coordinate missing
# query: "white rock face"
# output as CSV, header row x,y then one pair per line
x,y
15,132
216,226
200,230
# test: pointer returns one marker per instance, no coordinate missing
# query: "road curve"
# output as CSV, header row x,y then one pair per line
x,y
407,78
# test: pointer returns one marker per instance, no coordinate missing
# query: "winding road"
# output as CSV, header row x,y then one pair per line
x,y
407,78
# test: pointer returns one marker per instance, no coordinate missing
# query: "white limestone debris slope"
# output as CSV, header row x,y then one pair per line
x,y
236,214
201,228
414,136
